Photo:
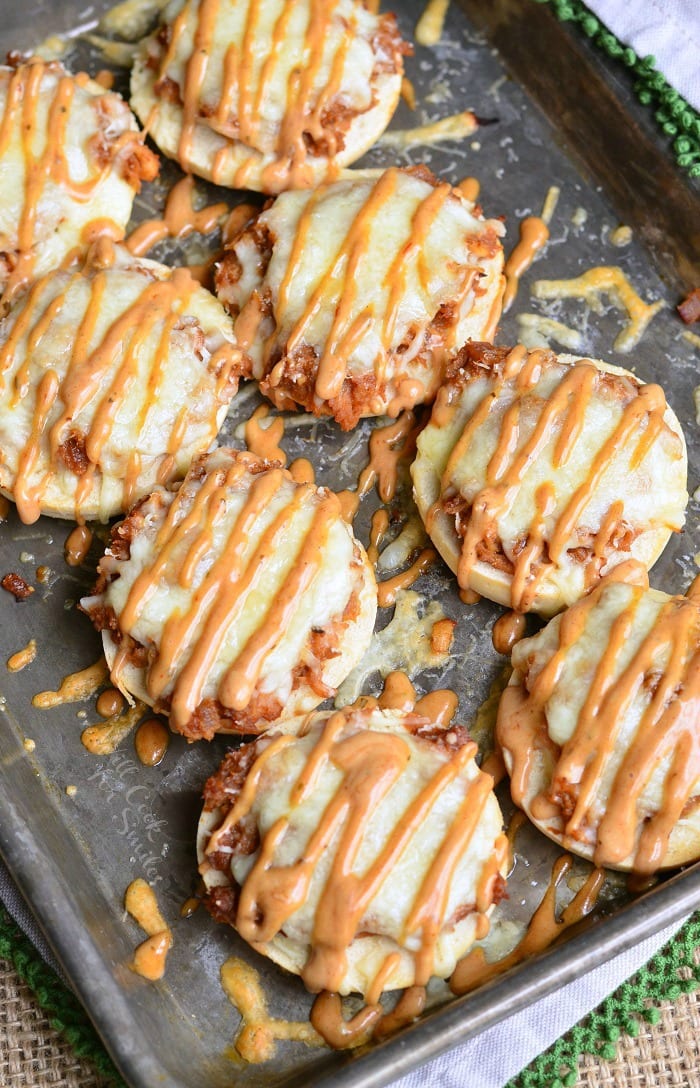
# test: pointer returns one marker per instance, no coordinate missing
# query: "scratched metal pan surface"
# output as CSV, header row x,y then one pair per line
x,y
74,856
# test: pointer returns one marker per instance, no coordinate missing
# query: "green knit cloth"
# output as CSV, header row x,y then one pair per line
x,y
677,118
671,972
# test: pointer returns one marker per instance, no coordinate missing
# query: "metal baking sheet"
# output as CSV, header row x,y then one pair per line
x,y
75,856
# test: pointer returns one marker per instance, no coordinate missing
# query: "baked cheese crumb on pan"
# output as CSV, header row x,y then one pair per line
x,y
361,849
71,160
268,95
237,598
113,376
539,473
350,300
600,726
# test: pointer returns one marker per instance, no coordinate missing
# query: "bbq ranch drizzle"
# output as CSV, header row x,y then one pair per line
x,y
23,657
142,905
337,291
534,235
245,84
668,726
388,447
180,219
188,656
74,687
370,765
544,928
160,302
545,546
77,545
259,1031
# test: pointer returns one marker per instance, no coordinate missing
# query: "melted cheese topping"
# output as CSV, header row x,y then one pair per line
x,y
365,829
265,94
111,378
610,691
405,643
371,284
572,467
458,126
71,157
226,582
430,25
610,281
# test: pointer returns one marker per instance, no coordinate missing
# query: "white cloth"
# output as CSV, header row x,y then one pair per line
x,y
668,30
490,1060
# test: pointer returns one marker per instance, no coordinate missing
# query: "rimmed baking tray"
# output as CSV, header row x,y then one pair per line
x,y
74,856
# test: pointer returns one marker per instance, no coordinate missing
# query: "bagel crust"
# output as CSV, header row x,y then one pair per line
x,y
350,301
600,726
324,843
240,596
269,95
113,377
538,474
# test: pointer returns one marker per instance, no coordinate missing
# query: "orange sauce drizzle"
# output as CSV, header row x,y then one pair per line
x,y
259,1031
264,441
408,93
565,408
543,930
102,739
190,905
328,1020
23,657
387,590
77,545
442,636
667,728
507,630
534,233
370,764
4,508
180,219
229,582
469,188
151,742
149,958
87,370
388,447
109,703
74,687
517,820
302,471
377,532
398,693
105,78
237,220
